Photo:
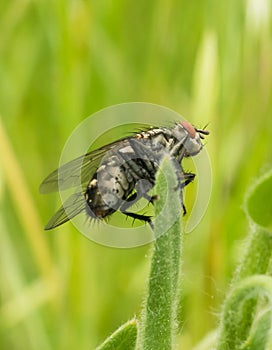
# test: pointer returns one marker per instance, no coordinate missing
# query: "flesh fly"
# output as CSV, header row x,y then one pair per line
x,y
119,174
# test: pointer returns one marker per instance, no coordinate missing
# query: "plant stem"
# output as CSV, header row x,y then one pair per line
x,y
158,320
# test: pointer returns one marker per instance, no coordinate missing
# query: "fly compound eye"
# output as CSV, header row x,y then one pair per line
x,y
189,128
192,144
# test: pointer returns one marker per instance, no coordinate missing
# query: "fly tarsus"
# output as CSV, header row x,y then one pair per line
x,y
184,209
151,199
145,218
186,179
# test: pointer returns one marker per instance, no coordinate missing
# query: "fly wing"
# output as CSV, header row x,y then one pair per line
x,y
73,173
79,170
74,205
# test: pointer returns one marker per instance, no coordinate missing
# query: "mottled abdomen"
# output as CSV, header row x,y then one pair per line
x,y
109,188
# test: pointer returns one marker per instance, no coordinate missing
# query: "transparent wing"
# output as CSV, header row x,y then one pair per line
x,y
74,205
79,170
68,175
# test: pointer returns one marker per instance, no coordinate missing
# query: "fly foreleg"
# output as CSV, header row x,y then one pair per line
x,y
184,180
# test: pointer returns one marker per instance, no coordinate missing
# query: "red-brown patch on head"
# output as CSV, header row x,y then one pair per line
x,y
189,128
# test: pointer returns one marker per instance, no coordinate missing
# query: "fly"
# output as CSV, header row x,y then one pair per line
x,y
117,175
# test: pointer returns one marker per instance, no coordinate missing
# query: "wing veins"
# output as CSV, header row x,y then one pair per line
x,y
74,205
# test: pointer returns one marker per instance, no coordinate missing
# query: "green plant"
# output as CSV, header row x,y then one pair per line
x,y
62,61
124,338
245,321
157,324
237,327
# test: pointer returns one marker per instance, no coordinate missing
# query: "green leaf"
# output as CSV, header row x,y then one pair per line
x,y
258,202
158,323
255,261
124,338
249,288
259,247
260,335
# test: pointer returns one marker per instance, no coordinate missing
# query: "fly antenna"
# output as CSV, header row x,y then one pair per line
x,y
203,131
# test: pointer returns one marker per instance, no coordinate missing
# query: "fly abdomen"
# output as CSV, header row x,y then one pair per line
x,y
108,189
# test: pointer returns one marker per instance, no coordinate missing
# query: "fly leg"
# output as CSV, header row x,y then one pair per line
x,y
150,199
143,186
185,179
179,149
129,202
188,178
145,218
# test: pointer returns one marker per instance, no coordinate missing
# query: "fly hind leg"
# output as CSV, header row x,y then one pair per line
x,y
130,201
145,218
150,199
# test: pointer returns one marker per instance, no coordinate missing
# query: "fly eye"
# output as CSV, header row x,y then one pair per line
x,y
189,128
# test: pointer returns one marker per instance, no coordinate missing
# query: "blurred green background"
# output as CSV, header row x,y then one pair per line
x,y
60,61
